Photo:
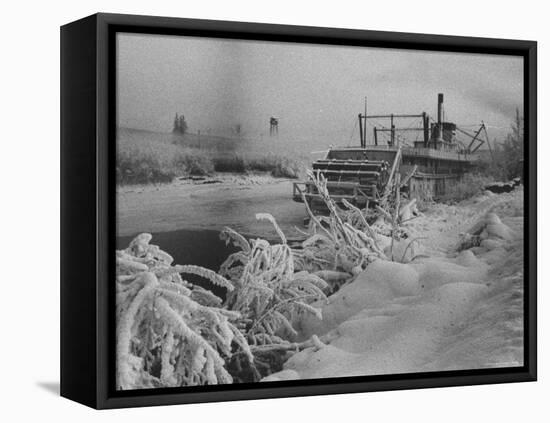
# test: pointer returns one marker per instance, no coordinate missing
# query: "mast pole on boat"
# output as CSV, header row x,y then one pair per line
x,y
365,126
361,133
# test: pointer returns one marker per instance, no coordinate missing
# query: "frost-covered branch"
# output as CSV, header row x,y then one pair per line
x,y
269,293
169,332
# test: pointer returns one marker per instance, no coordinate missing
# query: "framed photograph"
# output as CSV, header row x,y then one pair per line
x,y
257,211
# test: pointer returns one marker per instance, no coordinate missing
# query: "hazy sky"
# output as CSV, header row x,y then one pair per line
x,y
313,89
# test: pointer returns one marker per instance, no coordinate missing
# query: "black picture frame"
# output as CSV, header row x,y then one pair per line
x,y
88,209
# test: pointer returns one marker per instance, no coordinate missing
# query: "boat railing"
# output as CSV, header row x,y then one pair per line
x,y
422,152
437,154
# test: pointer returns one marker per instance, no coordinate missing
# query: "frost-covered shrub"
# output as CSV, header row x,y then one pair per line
x,y
341,242
268,291
169,332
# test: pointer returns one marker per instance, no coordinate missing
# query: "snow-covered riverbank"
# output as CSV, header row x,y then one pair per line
x,y
445,310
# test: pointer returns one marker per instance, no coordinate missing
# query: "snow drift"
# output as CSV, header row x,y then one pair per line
x,y
459,309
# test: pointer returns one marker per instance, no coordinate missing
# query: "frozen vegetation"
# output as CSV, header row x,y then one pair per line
x,y
369,292
153,158
459,308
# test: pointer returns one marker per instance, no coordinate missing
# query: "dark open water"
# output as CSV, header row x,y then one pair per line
x,y
199,247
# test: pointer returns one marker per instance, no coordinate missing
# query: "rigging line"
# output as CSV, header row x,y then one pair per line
x,y
416,124
477,125
353,131
385,134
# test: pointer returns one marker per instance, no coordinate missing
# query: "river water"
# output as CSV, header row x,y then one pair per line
x,y
198,247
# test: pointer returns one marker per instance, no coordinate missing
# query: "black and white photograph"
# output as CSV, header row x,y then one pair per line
x,y
276,212
299,211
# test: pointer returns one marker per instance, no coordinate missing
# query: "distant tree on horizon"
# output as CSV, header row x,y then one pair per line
x,y
180,125
507,160
513,147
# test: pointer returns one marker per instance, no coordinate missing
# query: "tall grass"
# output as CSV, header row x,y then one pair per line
x,y
277,166
468,186
157,162
143,161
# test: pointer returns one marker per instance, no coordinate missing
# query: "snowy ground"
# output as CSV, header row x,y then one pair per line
x,y
445,310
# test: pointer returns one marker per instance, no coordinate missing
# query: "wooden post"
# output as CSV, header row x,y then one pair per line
x,y
365,125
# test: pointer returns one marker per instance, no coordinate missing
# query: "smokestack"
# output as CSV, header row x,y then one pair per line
x,y
440,117
439,109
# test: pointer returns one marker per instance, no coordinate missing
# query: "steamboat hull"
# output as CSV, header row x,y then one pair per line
x,y
359,175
